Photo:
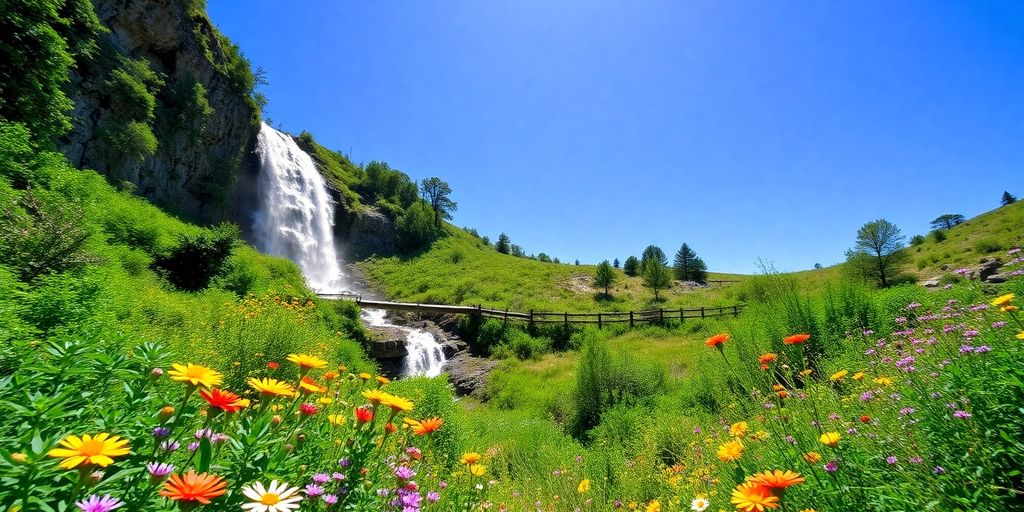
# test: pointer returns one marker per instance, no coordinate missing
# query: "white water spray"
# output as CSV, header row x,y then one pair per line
x,y
295,220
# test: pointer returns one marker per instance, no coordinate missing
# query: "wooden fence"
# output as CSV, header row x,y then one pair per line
x,y
600,319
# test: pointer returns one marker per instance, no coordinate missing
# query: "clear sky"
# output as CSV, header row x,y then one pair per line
x,y
589,129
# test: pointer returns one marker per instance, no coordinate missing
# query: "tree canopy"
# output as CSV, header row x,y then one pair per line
x,y
1007,198
631,267
503,245
947,221
877,253
656,276
653,252
437,193
687,266
604,276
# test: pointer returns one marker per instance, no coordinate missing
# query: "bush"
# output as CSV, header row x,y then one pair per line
x,y
38,237
523,346
939,235
198,259
415,227
987,246
917,240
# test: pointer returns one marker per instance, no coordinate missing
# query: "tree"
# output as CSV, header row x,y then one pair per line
x,y
615,263
653,252
604,276
577,263
436,193
543,257
415,227
947,221
656,277
817,266
877,252
1008,198
504,245
631,267
688,266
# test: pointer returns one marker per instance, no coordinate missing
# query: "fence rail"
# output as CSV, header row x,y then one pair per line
x,y
549,317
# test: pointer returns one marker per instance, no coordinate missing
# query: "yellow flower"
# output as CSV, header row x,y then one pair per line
x,y
759,435
738,429
1003,300
382,380
397,403
1020,335
195,375
584,486
830,439
731,451
858,376
271,387
375,396
19,457
326,400
812,457
99,450
306,361
751,497
883,381
469,458
654,506
838,376
364,376
1009,308
336,419
477,469
806,372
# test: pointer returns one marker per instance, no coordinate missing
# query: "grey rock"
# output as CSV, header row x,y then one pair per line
x,y
387,343
931,283
998,278
468,374
370,232
988,267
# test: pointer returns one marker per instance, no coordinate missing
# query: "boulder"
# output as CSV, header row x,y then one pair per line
x,y
988,267
371,232
468,374
387,343
998,278
931,283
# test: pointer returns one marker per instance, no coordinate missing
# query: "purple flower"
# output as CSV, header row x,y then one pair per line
x,y
442,485
97,504
193,446
982,349
906,411
383,492
966,349
852,431
831,466
338,476
313,490
916,460
433,496
790,439
170,446
938,470
404,472
962,414
867,395
321,478
891,460
344,463
219,438
159,470
203,432
161,432
999,324
330,499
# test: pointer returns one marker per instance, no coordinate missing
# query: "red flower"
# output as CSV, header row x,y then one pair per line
x,y
390,427
717,340
221,399
865,419
273,365
364,414
307,409
796,339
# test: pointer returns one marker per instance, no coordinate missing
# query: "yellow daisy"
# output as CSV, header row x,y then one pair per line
x,y
99,450
195,375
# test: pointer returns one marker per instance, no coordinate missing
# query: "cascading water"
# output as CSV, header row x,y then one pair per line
x,y
295,220
296,217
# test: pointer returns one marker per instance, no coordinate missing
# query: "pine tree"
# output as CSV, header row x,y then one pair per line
x,y
615,263
656,277
631,267
1008,199
504,245
653,252
604,276
688,266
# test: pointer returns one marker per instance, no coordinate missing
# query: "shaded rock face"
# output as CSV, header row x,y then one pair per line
x,y
989,267
368,232
387,343
193,171
469,374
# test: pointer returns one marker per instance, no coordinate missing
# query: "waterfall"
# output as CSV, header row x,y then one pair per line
x,y
295,220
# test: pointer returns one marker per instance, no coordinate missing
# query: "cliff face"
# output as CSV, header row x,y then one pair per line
x,y
167,107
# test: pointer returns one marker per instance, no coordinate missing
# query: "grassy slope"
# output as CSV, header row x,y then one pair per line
x,y
987,235
460,269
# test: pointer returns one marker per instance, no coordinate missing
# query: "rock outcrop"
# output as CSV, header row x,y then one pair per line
x,y
199,110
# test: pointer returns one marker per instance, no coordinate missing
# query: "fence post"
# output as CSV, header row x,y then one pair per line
x,y
566,319
661,315
702,311
682,316
735,310
599,321
530,325
631,319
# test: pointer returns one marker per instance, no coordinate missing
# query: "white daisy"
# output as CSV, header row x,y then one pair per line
x,y
699,504
274,498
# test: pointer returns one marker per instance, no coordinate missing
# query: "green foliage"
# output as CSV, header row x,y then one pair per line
x,y
436,192
129,141
878,254
519,344
653,253
125,132
947,221
1007,199
415,227
917,240
938,235
390,186
987,245
198,259
503,245
688,266
631,267
656,276
604,276
42,237
185,109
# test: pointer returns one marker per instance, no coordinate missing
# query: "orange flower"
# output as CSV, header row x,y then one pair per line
x,y
766,359
221,399
777,479
717,340
329,376
425,426
812,457
751,497
309,386
192,487
469,458
796,339
364,414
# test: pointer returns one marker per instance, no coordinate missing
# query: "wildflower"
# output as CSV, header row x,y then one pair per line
x,y
1020,335
273,365
831,466
404,473
469,458
397,403
653,506
365,376
426,426
1003,300
364,414
858,376
584,486
883,381
330,499
751,497
738,429
195,375
390,428
97,504
777,479
382,380
99,450
717,340
307,409
19,457
193,488
830,439
891,460
165,413
158,470
838,376
269,387
306,362
865,418
169,445
796,339
766,359
313,490
375,396
962,414
220,399
309,386
804,373
433,496
731,451
477,469
699,504
938,470
336,419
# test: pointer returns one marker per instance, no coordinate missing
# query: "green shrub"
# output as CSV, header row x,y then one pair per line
x,y
523,346
939,235
40,237
198,259
921,263
987,246
414,228
129,141
917,240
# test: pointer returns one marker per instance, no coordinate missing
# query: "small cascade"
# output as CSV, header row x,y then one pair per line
x,y
295,220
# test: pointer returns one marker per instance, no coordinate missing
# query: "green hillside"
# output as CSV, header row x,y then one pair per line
x,y
987,235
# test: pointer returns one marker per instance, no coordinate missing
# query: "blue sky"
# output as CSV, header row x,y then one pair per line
x,y
589,129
